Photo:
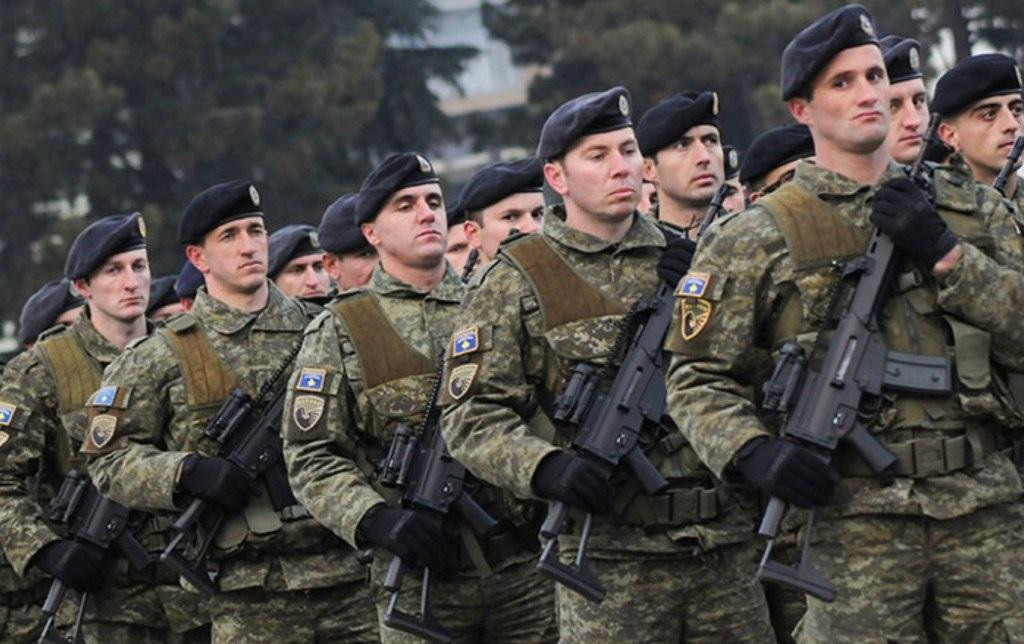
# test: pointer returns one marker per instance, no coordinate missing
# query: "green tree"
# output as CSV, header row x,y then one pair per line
x,y
109,106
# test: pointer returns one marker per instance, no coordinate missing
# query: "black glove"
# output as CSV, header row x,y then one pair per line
x,y
784,469
675,260
565,477
78,565
217,481
413,537
903,212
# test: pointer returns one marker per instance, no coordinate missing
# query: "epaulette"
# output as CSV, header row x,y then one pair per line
x,y
181,322
317,322
56,329
136,342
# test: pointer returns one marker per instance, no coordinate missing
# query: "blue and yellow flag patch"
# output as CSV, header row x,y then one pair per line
x,y
312,380
695,284
104,396
7,413
465,341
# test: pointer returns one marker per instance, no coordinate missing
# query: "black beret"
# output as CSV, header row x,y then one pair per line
x,y
902,58
812,49
591,113
668,121
730,161
44,307
188,282
339,233
102,239
774,148
493,183
397,171
296,240
975,78
218,205
161,293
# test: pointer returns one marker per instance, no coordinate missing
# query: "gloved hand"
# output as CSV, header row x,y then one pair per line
x,y
565,477
903,211
411,536
784,469
218,481
675,260
78,565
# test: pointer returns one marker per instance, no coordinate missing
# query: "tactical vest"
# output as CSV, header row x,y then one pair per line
x,y
208,382
932,435
76,376
579,323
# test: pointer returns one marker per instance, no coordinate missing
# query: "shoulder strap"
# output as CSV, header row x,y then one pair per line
x,y
564,295
383,353
76,373
207,379
815,233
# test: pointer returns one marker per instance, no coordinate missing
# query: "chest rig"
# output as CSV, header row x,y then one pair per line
x,y
208,382
932,434
76,376
576,322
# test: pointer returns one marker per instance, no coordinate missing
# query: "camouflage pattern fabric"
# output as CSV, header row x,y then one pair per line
x,y
518,367
969,568
41,448
786,605
324,461
513,606
156,429
21,623
343,613
714,374
705,597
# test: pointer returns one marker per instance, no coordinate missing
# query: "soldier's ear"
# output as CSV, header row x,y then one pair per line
x,y
82,287
195,255
370,234
472,232
949,135
800,109
650,172
554,174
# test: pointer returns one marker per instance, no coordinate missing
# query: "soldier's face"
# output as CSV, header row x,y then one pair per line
x,y
985,132
119,289
691,169
908,114
523,211
734,201
411,228
350,270
233,256
166,311
304,277
600,175
457,248
67,318
848,111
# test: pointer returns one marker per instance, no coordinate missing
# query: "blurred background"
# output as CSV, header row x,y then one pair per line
x,y
109,106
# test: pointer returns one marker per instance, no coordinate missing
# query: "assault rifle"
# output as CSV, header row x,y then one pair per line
x,y
90,518
433,484
838,400
607,427
249,436
1012,160
714,208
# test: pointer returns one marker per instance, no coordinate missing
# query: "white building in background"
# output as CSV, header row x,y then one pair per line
x,y
491,83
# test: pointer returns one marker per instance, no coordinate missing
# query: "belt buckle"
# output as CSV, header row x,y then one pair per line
x,y
929,458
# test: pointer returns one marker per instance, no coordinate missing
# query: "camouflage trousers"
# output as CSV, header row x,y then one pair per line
x,y
786,606
342,613
711,597
21,623
514,605
892,571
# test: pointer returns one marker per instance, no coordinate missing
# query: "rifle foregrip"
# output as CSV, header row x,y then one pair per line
x,y
477,518
646,474
772,518
872,450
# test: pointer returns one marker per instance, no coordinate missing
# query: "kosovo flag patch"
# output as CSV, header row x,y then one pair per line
x,y
312,380
105,396
695,284
7,413
465,341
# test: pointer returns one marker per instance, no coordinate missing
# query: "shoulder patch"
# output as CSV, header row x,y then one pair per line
x,y
7,411
102,429
311,379
4,437
465,341
307,411
694,284
694,315
461,379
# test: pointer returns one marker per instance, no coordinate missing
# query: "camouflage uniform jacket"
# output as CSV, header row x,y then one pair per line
x,y
714,375
156,429
520,369
329,458
40,444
